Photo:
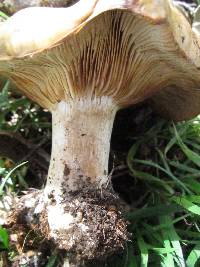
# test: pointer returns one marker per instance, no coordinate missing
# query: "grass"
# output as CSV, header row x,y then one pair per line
x,y
165,163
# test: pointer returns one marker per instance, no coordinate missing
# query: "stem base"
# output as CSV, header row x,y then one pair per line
x,y
95,227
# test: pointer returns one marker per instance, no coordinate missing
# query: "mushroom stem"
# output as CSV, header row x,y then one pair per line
x,y
66,263
80,145
77,210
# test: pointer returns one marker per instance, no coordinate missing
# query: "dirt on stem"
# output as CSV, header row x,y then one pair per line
x,y
98,230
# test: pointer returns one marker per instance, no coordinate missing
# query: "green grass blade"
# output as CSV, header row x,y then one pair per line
x,y
183,167
154,211
151,179
174,239
193,257
131,261
193,184
3,15
193,156
193,198
173,140
143,251
4,239
8,176
188,205
155,165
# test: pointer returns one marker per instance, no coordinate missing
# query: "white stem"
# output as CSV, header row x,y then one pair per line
x,y
73,211
80,144
66,263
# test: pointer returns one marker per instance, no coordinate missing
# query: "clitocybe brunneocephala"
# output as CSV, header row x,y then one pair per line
x,y
83,64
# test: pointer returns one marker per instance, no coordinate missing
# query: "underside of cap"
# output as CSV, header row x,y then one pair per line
x,y
126,49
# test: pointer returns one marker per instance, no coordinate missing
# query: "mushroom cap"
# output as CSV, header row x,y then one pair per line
x,y
129,50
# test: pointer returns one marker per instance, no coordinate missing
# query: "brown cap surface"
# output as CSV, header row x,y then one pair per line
x,y
130,50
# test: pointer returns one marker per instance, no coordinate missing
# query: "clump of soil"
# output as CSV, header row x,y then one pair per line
x,y
97,231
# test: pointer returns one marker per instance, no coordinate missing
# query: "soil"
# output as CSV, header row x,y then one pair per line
x,y
99,231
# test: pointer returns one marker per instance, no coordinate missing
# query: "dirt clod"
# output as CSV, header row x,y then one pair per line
x,y
98,229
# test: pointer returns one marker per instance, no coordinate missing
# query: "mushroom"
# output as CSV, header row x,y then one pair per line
x,y
84,63
12,6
